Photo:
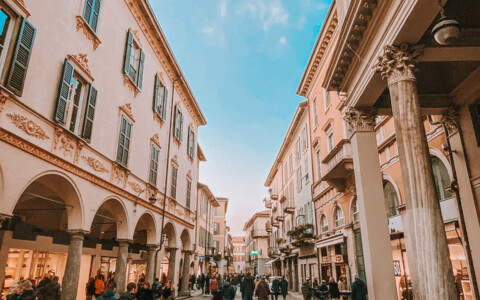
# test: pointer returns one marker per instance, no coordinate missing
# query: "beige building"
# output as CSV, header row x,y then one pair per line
x,y
98,130
256,243
238,243
220,235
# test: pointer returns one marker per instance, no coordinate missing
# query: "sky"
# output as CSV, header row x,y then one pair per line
x,y
243,60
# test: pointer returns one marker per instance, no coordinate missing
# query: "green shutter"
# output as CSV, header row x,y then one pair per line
x,y
126,145
156,94
193,144
128,52
21,58
121,139
64,92
164,107
140,70
181,127
175,119
89,114
87,11
96,11
188,142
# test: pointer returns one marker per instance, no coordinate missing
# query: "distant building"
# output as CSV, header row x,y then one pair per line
x,y
239,253
256,243
220,234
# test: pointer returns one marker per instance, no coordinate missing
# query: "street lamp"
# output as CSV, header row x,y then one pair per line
x,y
152,199
447,30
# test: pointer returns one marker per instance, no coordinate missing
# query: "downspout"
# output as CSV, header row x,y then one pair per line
x,y
166,178
461,216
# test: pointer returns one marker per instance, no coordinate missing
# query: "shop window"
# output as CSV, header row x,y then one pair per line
x,y
441,179
339,217
391,199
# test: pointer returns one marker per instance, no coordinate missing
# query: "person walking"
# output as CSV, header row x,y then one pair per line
x,y
109,293
207,284
229,291
359,289
99,284
213,284
25,290
307,289
247,287
263,290
284,287
51,291
201,282
145,292
168,291
333,289
275,288
131,292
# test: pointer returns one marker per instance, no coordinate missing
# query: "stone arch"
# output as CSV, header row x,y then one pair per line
x,y
323,217
386,180
439,154
145,231
351,204
59,198
171,236
337,208
111,220
185,238
387,177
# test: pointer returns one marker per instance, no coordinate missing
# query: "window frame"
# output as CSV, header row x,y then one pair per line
x,y
153,174
92,12
188,197
173,181
324,223
339,217
128,125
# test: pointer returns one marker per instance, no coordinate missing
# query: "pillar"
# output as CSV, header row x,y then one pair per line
x,y
151,253
172,264
187,254
121,266
371,206
72,267
427,250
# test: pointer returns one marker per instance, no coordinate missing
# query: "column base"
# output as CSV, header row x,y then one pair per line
x,y
184,294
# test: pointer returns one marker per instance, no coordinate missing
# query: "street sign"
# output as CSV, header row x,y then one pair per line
x,y
254,252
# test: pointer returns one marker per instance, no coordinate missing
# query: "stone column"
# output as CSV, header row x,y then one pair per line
x,y
72,267
371,206
172,264
151,253
121,266
426,242
187,254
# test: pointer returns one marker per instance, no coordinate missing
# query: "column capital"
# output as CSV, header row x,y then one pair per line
x,y
152,247
360,119
171,249
77,232
124,242
450,118
187,251
397,63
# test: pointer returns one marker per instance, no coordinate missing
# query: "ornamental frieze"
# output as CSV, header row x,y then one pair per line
x,y
27,125
95,164
135,187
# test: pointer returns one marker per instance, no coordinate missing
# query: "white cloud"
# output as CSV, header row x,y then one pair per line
x,y
223,9
301,23
208,30
282,40
270,13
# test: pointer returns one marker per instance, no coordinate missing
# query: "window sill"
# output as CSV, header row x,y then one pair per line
x,y
88,31
131,85
158,119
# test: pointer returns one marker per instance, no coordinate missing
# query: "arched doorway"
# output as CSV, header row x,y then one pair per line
x,y
185,262
170,242
144,242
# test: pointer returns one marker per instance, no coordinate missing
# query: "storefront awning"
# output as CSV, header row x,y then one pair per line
x,y
331,240
271,261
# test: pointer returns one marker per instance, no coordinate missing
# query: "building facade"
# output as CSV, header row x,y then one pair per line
x,y
256,243
220,235
292,223
101,116
239,251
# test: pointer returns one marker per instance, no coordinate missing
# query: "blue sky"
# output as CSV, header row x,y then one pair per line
x,y
243,60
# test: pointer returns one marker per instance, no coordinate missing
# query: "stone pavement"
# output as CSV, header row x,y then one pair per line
x,y
197,295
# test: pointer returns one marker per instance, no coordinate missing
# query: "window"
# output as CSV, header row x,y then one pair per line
x,y
189,193
91,12
124,141
173,187
324,223
441,179
285,173
326,99
299,179
339,217
204,205
215,245
215,211
391,199
319,164
216,228
330,141
297,150
134,61
21,55
153,166
356,216
178,124
306,171
191,143
160,96
292,195
4,26
290,164
304,139
315,113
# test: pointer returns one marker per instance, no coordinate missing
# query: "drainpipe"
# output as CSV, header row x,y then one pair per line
x,y
166,177
461,217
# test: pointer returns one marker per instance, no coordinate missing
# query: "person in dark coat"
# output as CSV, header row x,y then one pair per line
x,y
263,290
51,291
284,287
130,294
25,290
207,284
307,289
145,292
359,289
333,288
228,291
109,293
247,287
201,282
275,288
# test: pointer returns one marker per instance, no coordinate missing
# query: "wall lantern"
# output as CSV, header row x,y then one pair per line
x,y
446,31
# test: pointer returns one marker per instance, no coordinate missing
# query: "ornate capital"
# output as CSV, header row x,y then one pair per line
x,y
450,118
360,120
398,63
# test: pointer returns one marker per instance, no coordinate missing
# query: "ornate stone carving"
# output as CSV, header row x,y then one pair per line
x,y
28,126
175,159
67,145
81,24
156,140
156,118
3,99
128,82
450,118
358,120
398,63
80,145
81,60
135,187
189,174
180,212
171,205
137,37
127,109
95,164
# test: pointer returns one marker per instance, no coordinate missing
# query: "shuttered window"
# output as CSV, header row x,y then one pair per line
x,y
189,193
178,124
173,187
191,143
21,58
91,12
134,61
124,141
89,114
160,96
153,166
64,92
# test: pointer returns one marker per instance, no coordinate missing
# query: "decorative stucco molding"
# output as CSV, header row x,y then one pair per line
x,y
127,109
67,145
175,159
128,82
398,63
25,124
156,140
450,118
137,37
80,145
156,118
135,187
360,120
3,99
81,61
89,33
95,164
118,175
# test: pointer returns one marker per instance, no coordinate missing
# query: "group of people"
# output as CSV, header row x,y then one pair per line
x,y
47,289
332,290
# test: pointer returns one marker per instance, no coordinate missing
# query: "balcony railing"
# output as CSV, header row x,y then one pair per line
x,y
289,207
280,218
256,233
338,165
302,235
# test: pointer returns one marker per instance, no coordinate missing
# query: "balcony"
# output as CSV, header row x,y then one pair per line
x,y
280,218
268,227
258,233
273,252
338,165
273,194
282,198
289,208
302,235
268,203
275,224
285,249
